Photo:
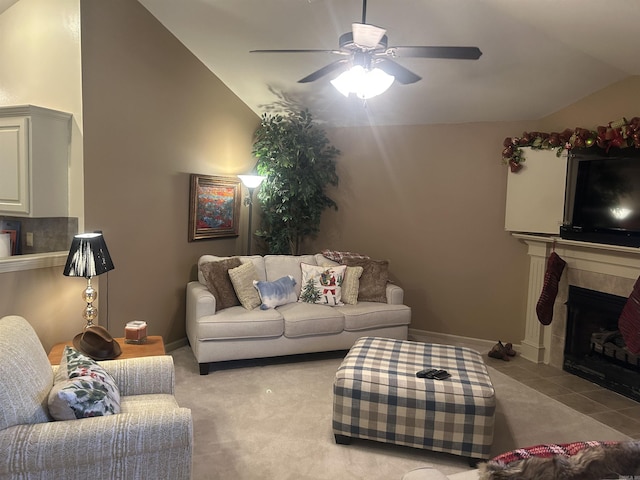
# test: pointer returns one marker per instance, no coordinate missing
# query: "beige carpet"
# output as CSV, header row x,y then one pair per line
x,y
271,419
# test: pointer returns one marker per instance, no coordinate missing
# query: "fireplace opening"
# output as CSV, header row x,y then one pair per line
x,y
594,347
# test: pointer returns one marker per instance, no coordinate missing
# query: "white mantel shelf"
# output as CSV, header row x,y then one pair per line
x,y
575,243
593,257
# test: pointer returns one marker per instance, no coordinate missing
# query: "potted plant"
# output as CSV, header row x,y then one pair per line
x,y
298,163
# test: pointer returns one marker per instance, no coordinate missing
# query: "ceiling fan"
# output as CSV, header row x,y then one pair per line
x,y
367,46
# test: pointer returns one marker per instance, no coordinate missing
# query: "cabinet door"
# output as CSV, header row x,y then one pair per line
x,y
535,194
14,165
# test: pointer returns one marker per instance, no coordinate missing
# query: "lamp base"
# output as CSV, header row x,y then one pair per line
x,y
90,312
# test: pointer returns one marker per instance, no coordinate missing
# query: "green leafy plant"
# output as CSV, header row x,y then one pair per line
x,y
298,163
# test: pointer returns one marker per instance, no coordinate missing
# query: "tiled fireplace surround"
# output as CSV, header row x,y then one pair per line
x,y
604,268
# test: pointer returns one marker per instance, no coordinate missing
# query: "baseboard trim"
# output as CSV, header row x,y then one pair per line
x,y
175,345
447,338
414,334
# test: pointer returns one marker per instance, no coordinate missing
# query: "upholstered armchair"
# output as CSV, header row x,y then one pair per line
x,y
151,436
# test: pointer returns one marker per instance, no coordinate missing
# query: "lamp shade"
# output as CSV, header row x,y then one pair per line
x,y
88,256
251,181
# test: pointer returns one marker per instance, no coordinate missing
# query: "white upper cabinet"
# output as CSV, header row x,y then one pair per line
x,y
35,144
535,194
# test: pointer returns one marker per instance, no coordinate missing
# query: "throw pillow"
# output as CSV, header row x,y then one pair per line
x,y
242,278
322,284
82,389
374,279
216,276
276,293
351,285
340,257
590,460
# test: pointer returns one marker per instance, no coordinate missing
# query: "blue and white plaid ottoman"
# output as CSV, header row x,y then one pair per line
x,y
377,396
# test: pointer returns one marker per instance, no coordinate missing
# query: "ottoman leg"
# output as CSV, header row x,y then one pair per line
x,y
342,439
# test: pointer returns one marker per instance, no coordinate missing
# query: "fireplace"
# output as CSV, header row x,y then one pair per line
x,y
605,269
594,348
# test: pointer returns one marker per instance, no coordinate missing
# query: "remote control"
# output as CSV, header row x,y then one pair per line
x,y
427,373
441,375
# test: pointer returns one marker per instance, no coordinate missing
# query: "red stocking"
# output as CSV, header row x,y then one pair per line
x,y
544,308
629,321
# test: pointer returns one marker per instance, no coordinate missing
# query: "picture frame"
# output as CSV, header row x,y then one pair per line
x,y
214,207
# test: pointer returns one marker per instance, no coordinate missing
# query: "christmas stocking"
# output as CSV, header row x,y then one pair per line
x,y
544,307
629,321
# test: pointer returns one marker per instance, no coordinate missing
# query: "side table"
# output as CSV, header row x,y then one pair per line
x,y
153,346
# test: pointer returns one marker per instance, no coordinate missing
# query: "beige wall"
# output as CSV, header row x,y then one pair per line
x,y
153,114
622,99
431,200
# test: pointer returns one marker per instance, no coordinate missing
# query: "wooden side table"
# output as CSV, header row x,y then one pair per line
x,y
153,346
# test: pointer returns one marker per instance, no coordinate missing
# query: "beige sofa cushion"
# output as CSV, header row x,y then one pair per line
x,y
304,319
367,315
278,266
238,322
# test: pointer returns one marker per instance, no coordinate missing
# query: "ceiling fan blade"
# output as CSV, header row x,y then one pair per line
x,y
367,36
461,53
401,74
339,52
323,71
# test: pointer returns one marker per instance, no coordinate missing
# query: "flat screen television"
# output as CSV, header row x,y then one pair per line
x,y
602,198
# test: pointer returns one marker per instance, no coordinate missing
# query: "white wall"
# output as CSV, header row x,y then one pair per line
x,y
40,65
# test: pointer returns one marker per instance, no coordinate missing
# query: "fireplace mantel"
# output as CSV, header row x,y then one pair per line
x,y
611,260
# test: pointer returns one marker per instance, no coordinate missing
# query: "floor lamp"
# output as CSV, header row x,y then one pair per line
x,y
251,182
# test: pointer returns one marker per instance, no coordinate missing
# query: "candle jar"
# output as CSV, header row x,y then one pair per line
x,y
135,332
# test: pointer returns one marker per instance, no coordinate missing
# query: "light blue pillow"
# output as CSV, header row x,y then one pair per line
x,y
278,292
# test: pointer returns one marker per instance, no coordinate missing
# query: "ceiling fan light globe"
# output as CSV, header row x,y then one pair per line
x,y
363,83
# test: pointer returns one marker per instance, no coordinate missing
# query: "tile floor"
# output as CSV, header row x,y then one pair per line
x,y
607,407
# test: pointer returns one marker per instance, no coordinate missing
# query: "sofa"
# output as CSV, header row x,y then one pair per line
x,y
235,331
150,436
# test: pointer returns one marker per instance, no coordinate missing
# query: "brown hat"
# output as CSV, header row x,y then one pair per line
x,y
96,342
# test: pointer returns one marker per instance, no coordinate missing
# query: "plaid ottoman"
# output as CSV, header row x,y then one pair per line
x,y
377,396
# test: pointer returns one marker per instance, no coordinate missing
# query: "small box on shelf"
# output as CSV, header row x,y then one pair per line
x,y
135,332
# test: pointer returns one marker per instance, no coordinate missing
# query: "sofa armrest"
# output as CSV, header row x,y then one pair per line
x,y
144,375
200,301
395,294
66,445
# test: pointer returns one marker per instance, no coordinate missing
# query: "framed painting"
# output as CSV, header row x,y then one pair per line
x,y
214,207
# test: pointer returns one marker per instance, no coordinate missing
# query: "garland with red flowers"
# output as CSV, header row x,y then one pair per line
x,y
620,134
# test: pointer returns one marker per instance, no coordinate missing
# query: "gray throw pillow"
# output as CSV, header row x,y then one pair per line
x,y
374,278
216,276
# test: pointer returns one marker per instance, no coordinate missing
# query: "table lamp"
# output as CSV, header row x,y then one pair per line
x,y
88,257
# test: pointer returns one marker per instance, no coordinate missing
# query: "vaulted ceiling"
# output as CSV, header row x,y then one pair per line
x,y
538,55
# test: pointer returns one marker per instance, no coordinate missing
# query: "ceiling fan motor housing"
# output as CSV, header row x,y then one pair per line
x,y
346,42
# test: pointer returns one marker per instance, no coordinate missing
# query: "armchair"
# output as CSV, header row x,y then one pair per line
x,y
150,438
